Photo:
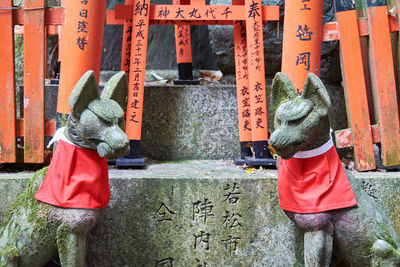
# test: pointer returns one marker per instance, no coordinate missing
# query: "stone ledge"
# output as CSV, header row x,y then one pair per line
x,y
196,212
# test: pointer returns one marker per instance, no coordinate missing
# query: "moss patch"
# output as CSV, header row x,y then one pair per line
x,y
10,253
25,200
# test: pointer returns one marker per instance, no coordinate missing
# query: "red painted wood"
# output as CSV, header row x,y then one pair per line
x,y
221,13
355,89
242,79
126,43
331,33
256,70
49,127
81,47
7,95
53,16
344,137
140,28
34,74
183,43
383,84
302,40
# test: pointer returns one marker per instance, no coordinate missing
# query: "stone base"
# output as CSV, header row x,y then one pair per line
x,y
200,213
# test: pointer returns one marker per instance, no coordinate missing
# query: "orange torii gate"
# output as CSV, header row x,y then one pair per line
x,y
247,18
361,74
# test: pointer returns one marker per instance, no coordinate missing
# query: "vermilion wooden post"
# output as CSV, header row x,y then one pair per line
x,y
140,28
34,75
258,100
302,38
383,82
398,55
242,88
354,85
184,51
81,48
7,93
126,43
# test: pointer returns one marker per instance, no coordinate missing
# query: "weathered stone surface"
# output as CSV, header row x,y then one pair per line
x,y
200,122
192,122
131,234
12,185
221,41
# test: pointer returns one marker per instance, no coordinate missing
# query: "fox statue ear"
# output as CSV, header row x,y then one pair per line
x,y
117,89
282,89
84,92
315,91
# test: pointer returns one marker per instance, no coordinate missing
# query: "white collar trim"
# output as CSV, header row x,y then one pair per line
x,y
59,135
65,139
314,152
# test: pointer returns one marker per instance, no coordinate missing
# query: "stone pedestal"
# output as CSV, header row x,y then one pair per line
x,y
200,213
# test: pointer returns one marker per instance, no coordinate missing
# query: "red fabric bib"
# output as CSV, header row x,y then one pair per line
x,y
312,185
76,178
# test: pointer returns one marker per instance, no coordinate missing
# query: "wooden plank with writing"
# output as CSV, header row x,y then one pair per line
x,y
256,71
126,43
207,14
140,28
182,37
302,39
242,79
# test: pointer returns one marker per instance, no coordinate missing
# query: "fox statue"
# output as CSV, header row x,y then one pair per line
x,y
63,202
337,216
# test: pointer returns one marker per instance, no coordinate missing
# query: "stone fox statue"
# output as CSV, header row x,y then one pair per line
x,y
314,190
74,192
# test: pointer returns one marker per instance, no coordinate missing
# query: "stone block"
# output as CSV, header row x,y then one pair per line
x,y
200,122
190,122
200,213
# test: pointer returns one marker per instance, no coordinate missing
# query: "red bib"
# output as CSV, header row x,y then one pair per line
x,y
316,184
76,178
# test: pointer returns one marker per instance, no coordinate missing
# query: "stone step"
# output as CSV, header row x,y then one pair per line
x,y
200,213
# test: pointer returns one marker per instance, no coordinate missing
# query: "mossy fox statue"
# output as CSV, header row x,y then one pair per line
x,y
33,231
328,204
